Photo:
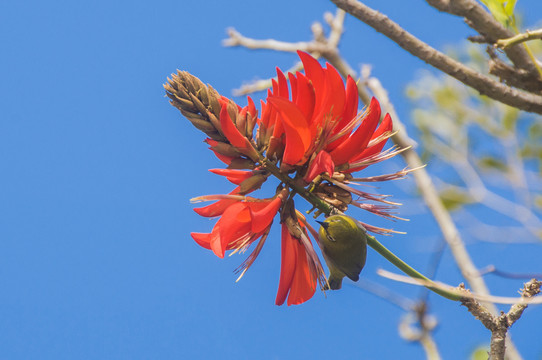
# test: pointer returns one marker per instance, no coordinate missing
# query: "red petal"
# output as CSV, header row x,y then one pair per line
x,y
305,97
279,126
217,208
298,135
236,215
215,243
358,141
233,175
228,228
230,130
334,93
348,115
274,88
251,108
293,85
303,282
315,74
282,84
266,112
287,265
203,240
262,218
351,104
320,164
385,125
224,158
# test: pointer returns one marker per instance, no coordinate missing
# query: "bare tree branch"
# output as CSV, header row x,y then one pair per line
x,y
416,325
483,84
498,325
511,75
485,24
461,290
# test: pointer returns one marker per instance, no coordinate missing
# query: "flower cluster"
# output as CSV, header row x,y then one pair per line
x,y
311,137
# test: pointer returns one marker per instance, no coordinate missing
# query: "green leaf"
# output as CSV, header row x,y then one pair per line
x,y
492,163
453,198
509,7
480,353
535,131
502,10
510,118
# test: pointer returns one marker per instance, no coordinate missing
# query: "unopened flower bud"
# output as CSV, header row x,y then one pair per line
x,y
252,183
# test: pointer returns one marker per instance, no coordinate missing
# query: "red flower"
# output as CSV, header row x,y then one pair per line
x,y
241,223
319,120
297,280
307,128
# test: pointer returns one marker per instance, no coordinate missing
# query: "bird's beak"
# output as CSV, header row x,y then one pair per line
x,y
324,225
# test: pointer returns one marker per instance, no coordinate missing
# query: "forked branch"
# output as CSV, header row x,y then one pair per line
x,y
482,83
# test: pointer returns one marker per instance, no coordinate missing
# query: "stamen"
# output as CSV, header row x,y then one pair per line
x,y
315,265
380,210
398,175
383,137
372,197
379,230
252,257
376,158
218,197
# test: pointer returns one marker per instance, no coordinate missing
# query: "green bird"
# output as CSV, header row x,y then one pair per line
x,y
344,246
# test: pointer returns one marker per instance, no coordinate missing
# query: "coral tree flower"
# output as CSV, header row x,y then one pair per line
x,y
318,121
310,135
297,280
241,222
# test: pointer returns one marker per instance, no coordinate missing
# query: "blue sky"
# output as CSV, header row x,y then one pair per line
x,y
96,260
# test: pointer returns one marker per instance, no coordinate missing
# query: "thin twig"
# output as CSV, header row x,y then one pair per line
x,y
236,39
483,84
481,194
319,47
519,38
417,326
451,289
492,269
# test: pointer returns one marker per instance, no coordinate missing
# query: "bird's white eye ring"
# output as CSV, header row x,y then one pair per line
x,y
329,237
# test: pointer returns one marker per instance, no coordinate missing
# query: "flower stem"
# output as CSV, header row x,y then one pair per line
x,y
371,240
311,198
519,38
407,269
